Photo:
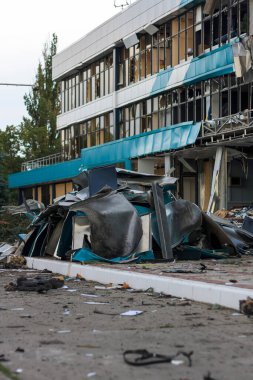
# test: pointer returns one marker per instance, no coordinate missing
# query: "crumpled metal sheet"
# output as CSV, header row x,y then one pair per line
x,y
29,206
241,241
183,218
216,236
116,228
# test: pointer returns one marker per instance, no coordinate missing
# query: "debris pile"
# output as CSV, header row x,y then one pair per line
x,y
237,215
115,215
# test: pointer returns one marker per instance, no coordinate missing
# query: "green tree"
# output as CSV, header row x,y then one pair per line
x,y
38,131
10,160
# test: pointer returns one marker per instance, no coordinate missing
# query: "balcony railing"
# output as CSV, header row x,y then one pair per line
x,y
40,162
228,127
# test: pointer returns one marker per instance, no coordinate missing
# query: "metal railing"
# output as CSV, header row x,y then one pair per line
x,y
40,162
233,125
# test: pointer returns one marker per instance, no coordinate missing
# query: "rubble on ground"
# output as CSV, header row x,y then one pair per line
x,y
236,215
120,216
39,283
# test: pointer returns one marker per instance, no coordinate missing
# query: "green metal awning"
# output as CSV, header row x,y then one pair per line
x,y
149,143
161,140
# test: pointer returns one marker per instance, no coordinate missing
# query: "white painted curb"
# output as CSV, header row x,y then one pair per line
x,y
228,296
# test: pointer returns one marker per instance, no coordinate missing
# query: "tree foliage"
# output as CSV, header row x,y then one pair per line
x,y
38,131
36,136
10,159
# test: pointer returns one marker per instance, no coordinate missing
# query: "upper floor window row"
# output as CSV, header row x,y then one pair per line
x,y
96,131
182,38
211,99
94,81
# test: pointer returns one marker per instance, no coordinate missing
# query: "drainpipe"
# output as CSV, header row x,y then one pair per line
x,y
114,99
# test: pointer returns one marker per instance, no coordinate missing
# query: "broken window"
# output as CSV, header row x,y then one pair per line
x,y
216,30
175,44
244,97
244,17
207,33
189,35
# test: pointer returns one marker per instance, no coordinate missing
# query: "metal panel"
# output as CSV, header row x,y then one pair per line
x,y
145,244
162,222
80,228
130,40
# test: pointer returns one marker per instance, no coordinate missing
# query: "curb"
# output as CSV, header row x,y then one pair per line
x,y
193,290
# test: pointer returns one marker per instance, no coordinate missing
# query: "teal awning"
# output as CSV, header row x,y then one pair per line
x,y
160,140
148,143
51,173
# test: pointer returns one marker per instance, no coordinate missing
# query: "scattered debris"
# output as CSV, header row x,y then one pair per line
x,y
236,215
28,206
202,268
3,358
91,374
246,306
208,377
19,370
38,284
131,313
80,277
96,303
19,349
15,262
144,357
6,250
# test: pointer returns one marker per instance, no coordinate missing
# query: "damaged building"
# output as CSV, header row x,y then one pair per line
x,y
163,87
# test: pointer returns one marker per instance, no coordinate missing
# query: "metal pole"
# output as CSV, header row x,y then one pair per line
x,y
16,84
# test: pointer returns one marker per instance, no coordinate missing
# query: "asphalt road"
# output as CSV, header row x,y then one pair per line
x,y
58,336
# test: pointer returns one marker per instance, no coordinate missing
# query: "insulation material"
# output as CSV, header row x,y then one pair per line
x,y
209,6
243,58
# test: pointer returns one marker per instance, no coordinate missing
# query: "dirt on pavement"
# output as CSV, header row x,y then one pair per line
x,y
58,336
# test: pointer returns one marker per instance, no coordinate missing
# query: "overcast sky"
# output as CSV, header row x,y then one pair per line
x,y
25,25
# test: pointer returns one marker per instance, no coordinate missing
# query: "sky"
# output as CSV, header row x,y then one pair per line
x,y
25,26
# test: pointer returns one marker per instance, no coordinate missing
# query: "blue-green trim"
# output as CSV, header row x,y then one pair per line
x,y
217,62
148,143
211,64
52,173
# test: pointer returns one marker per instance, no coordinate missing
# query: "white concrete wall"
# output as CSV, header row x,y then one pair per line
x,y
104,37
136,91
87,111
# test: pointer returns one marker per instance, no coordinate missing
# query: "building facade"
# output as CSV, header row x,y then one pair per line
x,y
165,86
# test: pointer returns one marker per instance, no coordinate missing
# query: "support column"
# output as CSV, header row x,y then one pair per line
x,y
223,183
168,165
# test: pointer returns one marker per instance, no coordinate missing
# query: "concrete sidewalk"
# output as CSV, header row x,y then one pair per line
x,y
223,282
